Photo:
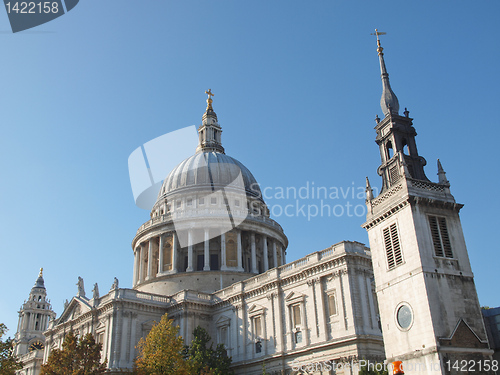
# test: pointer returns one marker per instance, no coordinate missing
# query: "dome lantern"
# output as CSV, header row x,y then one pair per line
x,y
210,131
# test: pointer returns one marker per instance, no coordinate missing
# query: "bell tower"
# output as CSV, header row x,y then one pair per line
x,y
429,309
34,317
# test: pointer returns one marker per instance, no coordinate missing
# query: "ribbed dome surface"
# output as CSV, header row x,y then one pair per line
x,y
210,171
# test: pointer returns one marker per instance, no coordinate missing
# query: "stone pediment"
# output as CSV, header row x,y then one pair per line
x,y
294,297
223,321
463,336
255,310
75,308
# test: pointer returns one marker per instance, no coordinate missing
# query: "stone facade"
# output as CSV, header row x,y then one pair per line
x,y
319,308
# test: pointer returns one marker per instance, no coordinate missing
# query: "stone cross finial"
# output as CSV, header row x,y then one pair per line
x,y
368,190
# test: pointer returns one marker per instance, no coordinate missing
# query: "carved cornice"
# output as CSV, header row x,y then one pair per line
x,y
386,214
437,203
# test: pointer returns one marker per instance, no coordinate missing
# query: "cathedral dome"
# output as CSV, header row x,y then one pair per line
x,y
209,170
209,220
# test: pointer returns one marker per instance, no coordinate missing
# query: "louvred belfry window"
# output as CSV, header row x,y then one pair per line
x,y
392,246
440,236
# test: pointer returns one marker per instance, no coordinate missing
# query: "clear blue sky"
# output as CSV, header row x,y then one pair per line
x,y
297,86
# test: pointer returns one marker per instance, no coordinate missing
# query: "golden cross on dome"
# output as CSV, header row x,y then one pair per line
x,y
209,100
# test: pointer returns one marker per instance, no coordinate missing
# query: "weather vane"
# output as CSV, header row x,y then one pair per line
x,y
209,100
377,33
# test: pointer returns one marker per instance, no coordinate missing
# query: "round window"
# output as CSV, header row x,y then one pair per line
x,y
404,316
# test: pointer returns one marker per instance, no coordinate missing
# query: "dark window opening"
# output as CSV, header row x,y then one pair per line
x,y
390,151
298,337
405,147
200,262
214,262
258,347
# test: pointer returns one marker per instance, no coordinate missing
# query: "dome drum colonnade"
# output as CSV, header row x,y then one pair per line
x,y
209,219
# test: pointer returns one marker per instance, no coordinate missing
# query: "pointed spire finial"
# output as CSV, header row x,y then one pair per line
x,y
442,174
389,102
41,272
209,100
368,190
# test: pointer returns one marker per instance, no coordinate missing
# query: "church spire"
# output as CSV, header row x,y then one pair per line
x,y
210,130
388,102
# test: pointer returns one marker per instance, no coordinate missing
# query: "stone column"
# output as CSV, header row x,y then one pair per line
x,y
371,303
223,251
364,299
160,255
206,256
254,252
133,327
136,270
283,255
190,251
275,254
280,333
266,261
150,260
123,344
174,252
141,263
239,251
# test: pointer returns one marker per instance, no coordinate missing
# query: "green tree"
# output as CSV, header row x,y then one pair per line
x,y
77,357
162,351
372,370
8,361
207,360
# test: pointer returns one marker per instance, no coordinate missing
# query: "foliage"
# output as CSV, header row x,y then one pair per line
x,y
77,357
162,351
8,361
206,360
373,369
264,372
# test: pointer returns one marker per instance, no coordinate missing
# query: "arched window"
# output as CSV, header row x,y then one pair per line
x,y
167,255
389,150
405,147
